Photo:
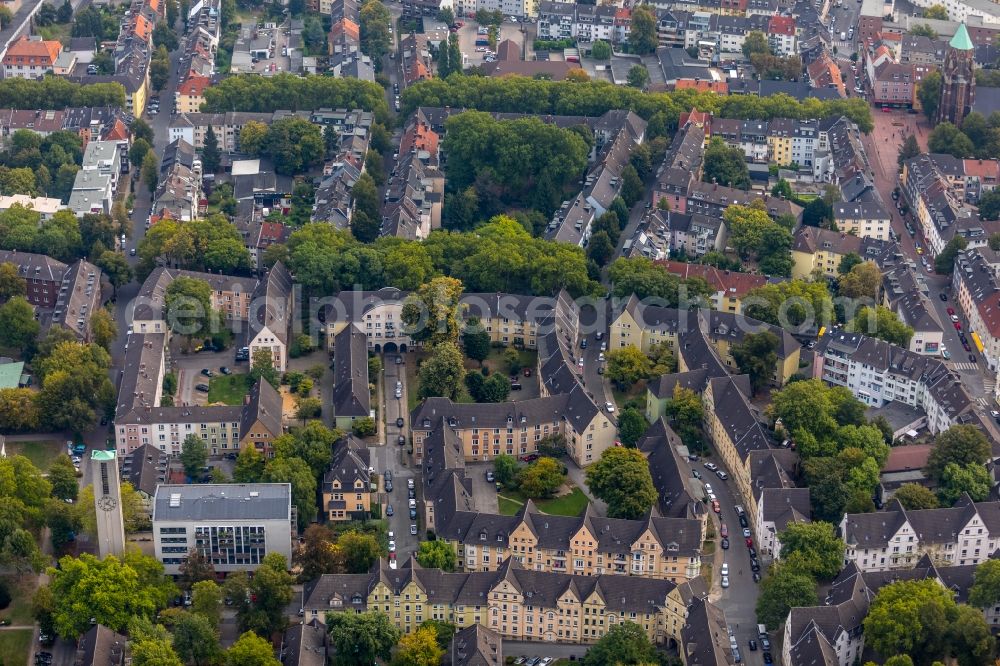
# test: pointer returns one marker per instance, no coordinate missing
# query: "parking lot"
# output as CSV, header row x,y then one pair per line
x,y
467,35
188,369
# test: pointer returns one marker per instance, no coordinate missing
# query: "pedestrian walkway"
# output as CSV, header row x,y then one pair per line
x,y
965,366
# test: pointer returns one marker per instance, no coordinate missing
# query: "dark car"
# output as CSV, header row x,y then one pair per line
x,y
388,486
401,441
202,388
756,577
725,544
944,296
972,357
399,360
583,343
530,457
411,493
743,521
768,659
753,645
752,551
231,456
226,371
207,372
966,347
754,565
388,509
399,422
413,514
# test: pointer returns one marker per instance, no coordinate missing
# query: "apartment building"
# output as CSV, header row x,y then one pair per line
x,y
896,538
230,295
235,526
46,207
865,219
905,292
190,94
271,316
878,373
30,58
977,291
515,602
347,485
515,428
643,326
816,250
351,392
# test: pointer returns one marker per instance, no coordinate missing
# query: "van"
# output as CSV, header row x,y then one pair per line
x,y
761,631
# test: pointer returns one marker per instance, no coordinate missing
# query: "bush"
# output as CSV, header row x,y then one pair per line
x,y
5,597
364,427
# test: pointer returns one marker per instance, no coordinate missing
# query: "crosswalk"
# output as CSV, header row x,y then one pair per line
x,y
965,366
982,402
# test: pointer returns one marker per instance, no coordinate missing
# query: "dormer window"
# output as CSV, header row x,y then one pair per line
x,y
356,599
482,536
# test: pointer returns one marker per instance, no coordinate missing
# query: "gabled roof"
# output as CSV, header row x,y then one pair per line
x,y
351,396
264,405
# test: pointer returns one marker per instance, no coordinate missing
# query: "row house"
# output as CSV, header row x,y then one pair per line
x,y
347,488
30,58
935,187
141,418
414,199
839,158
878,373
517,428
729,286
905,292
865,219
977,291
515,602
820,251
891,83
967,533
178,191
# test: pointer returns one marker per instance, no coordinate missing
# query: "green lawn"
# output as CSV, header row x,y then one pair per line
x,y
568,505
41,453
227,389
14,645
21,591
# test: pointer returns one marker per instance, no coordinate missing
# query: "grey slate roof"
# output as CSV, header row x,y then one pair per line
x,y
145,468
101,646
264,404
476,645
304,644
351,396
229,501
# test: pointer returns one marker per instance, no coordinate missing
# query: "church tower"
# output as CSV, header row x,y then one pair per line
x,y
958,81
108,502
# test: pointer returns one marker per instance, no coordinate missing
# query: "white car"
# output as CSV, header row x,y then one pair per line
x,y
725,569
610,406
392,535
413,529
392,564
711,466
725,581
392,546
708,488
413,504
580,362
480,49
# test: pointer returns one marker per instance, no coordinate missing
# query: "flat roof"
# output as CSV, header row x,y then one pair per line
x,y
223,501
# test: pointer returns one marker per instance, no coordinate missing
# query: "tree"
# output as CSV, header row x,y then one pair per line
x,y
883,323
361,638
600,249
62,476
947,138
923,30
725,166
910,617
364,427
989,209
293,144
194,455
757,356
862,281
11,283
103,330
970,637
210,155
622,479
631,426
937,12
113,591
164,35
196,568
956,480
755,42
317,555
782,589
252,136
816,213
376,30
74,385
189,307
914,496
431,314
814,547
18,410
298,473
959,444
541,478
626,366
115,267
419,648
150,171
642,38
600,50
153,651
443,373
929,94
625,643
18,326
436,554
944,263
251,650
262,367
475,340
206,600
505,469
985,589
908,150
359,550
638,77
195,639
249,465
686,411
261,602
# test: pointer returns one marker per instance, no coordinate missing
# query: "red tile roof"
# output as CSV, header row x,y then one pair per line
x,y
32,51
194,86
732,283
984,169
702,85
781,25
904,458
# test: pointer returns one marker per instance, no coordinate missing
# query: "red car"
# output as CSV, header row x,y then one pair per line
x,y
724,531
530,457
715,506
951,311
527,372
958,326
749,542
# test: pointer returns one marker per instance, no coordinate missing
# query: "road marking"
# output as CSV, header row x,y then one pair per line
x,y
965,366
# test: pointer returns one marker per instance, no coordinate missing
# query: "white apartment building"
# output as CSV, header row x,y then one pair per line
x,y
234,525
866,219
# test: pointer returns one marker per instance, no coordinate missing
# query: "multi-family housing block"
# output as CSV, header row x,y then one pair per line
x,y
820,251
905,292
977,291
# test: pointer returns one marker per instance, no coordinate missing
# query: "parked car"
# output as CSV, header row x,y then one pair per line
x,y
723,530
388,508
226,371
413,529
203,388
207,372
489,476
413,513
725,581
753,645
388,486
711,466
725,544
722,475
399,422
530,457
943,296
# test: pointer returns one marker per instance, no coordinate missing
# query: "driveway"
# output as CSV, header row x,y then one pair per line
x,y
484,491
188,368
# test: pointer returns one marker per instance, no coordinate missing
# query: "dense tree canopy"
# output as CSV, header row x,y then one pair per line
x,y
783,588
251,92
645,279
540,97
757,356
881,322
725,166
56,92
625,643
814,547
755,235
362,638
622,479
959,444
